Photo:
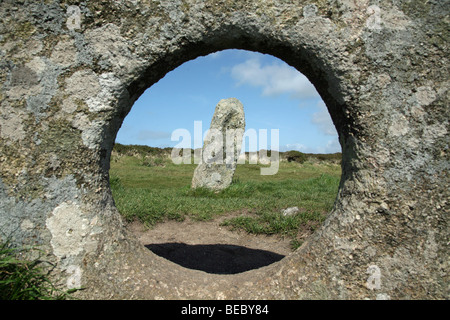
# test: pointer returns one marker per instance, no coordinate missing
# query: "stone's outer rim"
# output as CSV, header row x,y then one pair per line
x,y
381,70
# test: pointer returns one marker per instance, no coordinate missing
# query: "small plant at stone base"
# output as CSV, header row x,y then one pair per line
x,y
22,279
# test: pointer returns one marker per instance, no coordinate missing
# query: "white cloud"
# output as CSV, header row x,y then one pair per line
x,y
323,120
275,78
293,146
333,146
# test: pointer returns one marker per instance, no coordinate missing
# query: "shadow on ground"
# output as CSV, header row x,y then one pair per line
x,y
215,258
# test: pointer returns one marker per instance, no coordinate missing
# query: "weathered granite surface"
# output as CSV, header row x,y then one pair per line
x,y
381,66
222,146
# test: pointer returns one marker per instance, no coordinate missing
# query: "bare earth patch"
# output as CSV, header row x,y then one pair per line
x,y
210,247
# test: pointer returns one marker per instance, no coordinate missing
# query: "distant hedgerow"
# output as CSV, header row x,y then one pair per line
x,y
296,156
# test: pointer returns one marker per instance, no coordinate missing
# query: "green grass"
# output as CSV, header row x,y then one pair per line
x,y
22,279
161,191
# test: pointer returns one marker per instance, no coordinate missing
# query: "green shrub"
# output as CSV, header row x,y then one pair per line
x,y
140,150
295,156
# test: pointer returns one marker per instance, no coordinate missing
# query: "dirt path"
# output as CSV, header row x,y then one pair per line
x,y
210,247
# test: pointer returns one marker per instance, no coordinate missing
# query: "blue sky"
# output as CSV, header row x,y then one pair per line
x,y
274,95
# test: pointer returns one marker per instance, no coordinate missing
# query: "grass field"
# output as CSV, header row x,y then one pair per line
x,y
150,188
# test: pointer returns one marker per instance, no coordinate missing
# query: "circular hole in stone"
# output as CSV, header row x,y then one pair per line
x,y
258,219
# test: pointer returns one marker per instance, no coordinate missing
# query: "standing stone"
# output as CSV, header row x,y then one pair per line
x,y
221,147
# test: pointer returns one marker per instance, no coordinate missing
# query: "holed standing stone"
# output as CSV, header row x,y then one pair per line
x,y
221,147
